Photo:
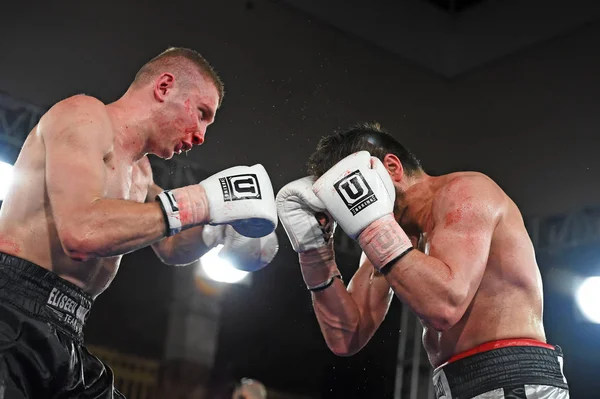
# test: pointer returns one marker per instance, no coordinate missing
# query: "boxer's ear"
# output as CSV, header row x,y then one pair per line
x,y
163,86
394,167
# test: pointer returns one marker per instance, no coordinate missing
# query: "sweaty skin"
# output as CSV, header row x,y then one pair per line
x,y
83,193
473,280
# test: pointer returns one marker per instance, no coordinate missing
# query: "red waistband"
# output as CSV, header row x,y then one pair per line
x,y
488,346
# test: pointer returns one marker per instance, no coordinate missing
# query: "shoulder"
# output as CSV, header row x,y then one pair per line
x,y
76,109
78,115
78,104
468,192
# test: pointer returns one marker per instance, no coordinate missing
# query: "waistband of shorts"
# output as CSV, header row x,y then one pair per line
x,y
500,364
502,343
44,294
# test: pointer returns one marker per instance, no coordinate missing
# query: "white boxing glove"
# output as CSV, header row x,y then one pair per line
x,y
310,229
244,253
241,196
297,207
359,193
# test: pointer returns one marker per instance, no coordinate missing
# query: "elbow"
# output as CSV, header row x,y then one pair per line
x,y
443,321
343,350
346,345
447,314
162,253
167,255
79,245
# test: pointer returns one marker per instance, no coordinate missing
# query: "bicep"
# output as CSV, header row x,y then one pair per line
x,y
76,142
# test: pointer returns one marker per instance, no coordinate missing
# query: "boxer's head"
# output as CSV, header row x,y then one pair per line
x,y
400,162
250,389
182,93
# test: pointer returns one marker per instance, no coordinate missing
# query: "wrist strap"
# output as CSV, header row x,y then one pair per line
x,y
325,285
388,266
167,202
318,266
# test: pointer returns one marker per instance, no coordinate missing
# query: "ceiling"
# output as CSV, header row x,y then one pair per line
x,y
452,37
454,6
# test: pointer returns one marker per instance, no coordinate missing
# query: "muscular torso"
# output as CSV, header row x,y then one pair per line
x,y
27,227
509,301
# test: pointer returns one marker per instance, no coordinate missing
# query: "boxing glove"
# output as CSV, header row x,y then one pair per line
x,y
359,193
310,229
244,253
241,196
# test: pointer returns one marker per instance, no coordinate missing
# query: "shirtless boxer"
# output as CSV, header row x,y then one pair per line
x,y
473,282
83,196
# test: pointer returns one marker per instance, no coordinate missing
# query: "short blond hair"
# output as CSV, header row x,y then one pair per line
x,y
179,60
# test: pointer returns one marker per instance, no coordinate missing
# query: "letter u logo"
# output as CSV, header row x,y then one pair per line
x,y
246,186
353,189
355,192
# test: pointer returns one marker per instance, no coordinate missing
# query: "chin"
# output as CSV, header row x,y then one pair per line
x,y
167,154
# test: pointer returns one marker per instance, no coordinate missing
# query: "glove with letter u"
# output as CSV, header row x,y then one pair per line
x,y
241,196
359,193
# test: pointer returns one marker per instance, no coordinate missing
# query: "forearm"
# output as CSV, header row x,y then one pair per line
x,y
426,285
183,248
113,227
339,318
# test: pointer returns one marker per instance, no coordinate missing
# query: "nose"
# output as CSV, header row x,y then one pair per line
x,y
198,138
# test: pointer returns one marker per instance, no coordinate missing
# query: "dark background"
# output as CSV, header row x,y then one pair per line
x,y
509,88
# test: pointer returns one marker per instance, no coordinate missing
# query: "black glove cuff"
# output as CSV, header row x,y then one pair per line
x,y
388,266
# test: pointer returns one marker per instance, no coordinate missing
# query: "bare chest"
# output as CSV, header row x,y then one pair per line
x,y
126,180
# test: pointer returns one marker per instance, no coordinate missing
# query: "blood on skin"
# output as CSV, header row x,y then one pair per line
x,y
461,196
453,217
11,246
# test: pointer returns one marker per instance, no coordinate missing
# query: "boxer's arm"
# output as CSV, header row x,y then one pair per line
x,y
78,137
182,248
440,286
348,318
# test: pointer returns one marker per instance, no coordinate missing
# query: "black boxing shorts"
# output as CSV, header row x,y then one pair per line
x,y
515,369
41,341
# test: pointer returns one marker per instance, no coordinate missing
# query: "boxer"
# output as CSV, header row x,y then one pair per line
x,y
83,196
453,248
250,389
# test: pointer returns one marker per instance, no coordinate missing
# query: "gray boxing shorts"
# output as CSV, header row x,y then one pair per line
x,y
507,369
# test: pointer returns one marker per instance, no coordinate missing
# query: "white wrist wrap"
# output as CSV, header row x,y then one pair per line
x,y
171,211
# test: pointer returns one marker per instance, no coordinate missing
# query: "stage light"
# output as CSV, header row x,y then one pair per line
x,y
219,269
6,176
588,299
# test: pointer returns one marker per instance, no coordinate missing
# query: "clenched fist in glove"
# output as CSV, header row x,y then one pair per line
x,y
359,193
310,229
241,196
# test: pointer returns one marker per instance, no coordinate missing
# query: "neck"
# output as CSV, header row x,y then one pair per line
x,y
132,128
415,203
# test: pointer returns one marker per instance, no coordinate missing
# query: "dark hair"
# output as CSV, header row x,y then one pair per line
x,y
179,59
362,137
